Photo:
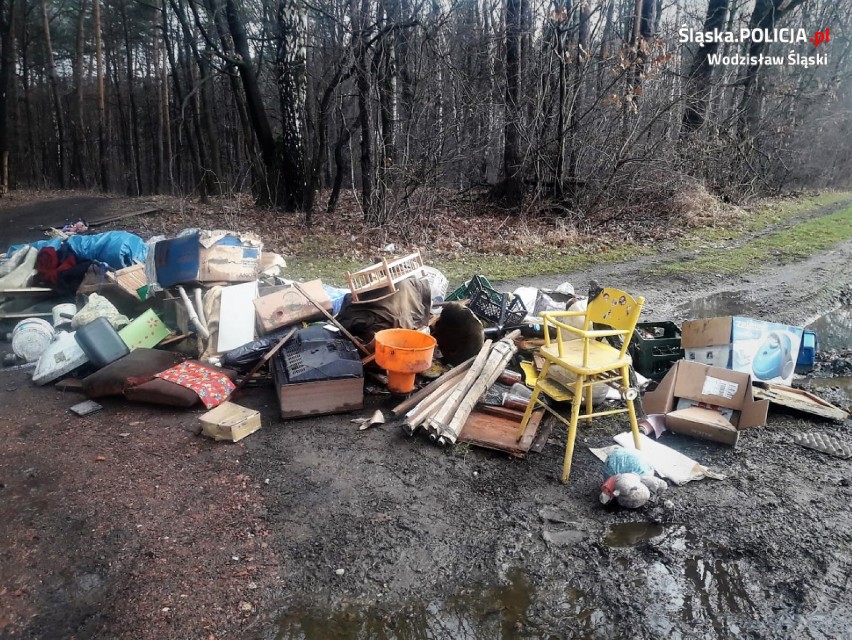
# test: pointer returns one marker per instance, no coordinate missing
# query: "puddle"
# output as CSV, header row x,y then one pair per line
x,y
816,385
726,303
631,534
690,585
498,612
834,329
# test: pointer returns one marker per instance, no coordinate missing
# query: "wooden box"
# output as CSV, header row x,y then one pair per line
x,y
229,421
320,398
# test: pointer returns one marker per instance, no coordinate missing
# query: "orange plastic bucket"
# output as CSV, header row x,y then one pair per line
x,y
404,353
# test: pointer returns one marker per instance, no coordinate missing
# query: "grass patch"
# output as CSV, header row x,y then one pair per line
x,y
329,256
500,267
496,267
769,213
796,242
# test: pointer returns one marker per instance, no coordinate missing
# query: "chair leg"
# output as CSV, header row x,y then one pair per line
x,y
589,407
531,404
572,428
631,410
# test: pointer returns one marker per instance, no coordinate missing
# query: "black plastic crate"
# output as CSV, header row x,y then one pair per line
x,y
488,305
654,347
470,288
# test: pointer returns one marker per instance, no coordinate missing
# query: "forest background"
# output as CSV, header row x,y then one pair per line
x,y
571,110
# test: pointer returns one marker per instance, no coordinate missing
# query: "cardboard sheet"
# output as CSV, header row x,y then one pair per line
x,y
236,319
667,462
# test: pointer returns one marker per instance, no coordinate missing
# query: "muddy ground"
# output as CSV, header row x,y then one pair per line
x,y
126,524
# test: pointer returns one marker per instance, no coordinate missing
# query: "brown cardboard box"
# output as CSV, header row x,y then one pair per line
x,y
287,306
229,421
765,350
707,341
208,256
701,383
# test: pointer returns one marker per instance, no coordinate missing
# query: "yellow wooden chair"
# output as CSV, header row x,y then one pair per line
x,y
583,353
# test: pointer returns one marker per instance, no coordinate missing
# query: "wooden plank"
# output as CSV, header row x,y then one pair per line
x,y
27,292
172,339
489,429
70,384
122,216
542,436
798,400
4,315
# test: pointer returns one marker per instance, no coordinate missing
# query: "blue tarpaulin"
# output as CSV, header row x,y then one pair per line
x,y
118,249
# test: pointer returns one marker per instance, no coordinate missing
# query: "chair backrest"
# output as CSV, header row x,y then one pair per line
x,y
615,309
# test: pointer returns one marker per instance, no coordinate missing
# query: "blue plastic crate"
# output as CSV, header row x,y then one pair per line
x,y
807,351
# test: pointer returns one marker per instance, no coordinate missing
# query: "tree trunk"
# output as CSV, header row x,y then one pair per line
x,y
78,161
365,114
191,140
59,111
561,25
254,103
165,110
205,125
258,171
581,56
103,159
341,165
511,190
134,118
26,84
292,87
7,30
320,154
698,83
643,32
389,106
766,14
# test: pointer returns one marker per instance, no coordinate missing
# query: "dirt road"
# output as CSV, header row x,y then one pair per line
x,y
22,222
125,524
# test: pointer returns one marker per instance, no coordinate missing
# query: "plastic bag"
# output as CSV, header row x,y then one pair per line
x,y
246,356
98,307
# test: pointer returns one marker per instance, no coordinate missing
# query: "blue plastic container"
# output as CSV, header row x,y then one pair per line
x,y
807,352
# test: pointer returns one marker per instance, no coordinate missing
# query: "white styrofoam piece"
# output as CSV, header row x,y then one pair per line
x,y
236,316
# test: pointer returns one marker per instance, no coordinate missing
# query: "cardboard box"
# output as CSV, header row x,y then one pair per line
x,y
697,398
765,350
207,256
229,421
285,305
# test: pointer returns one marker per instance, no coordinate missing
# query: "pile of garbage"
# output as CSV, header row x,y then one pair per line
x,y
196,318
204,316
